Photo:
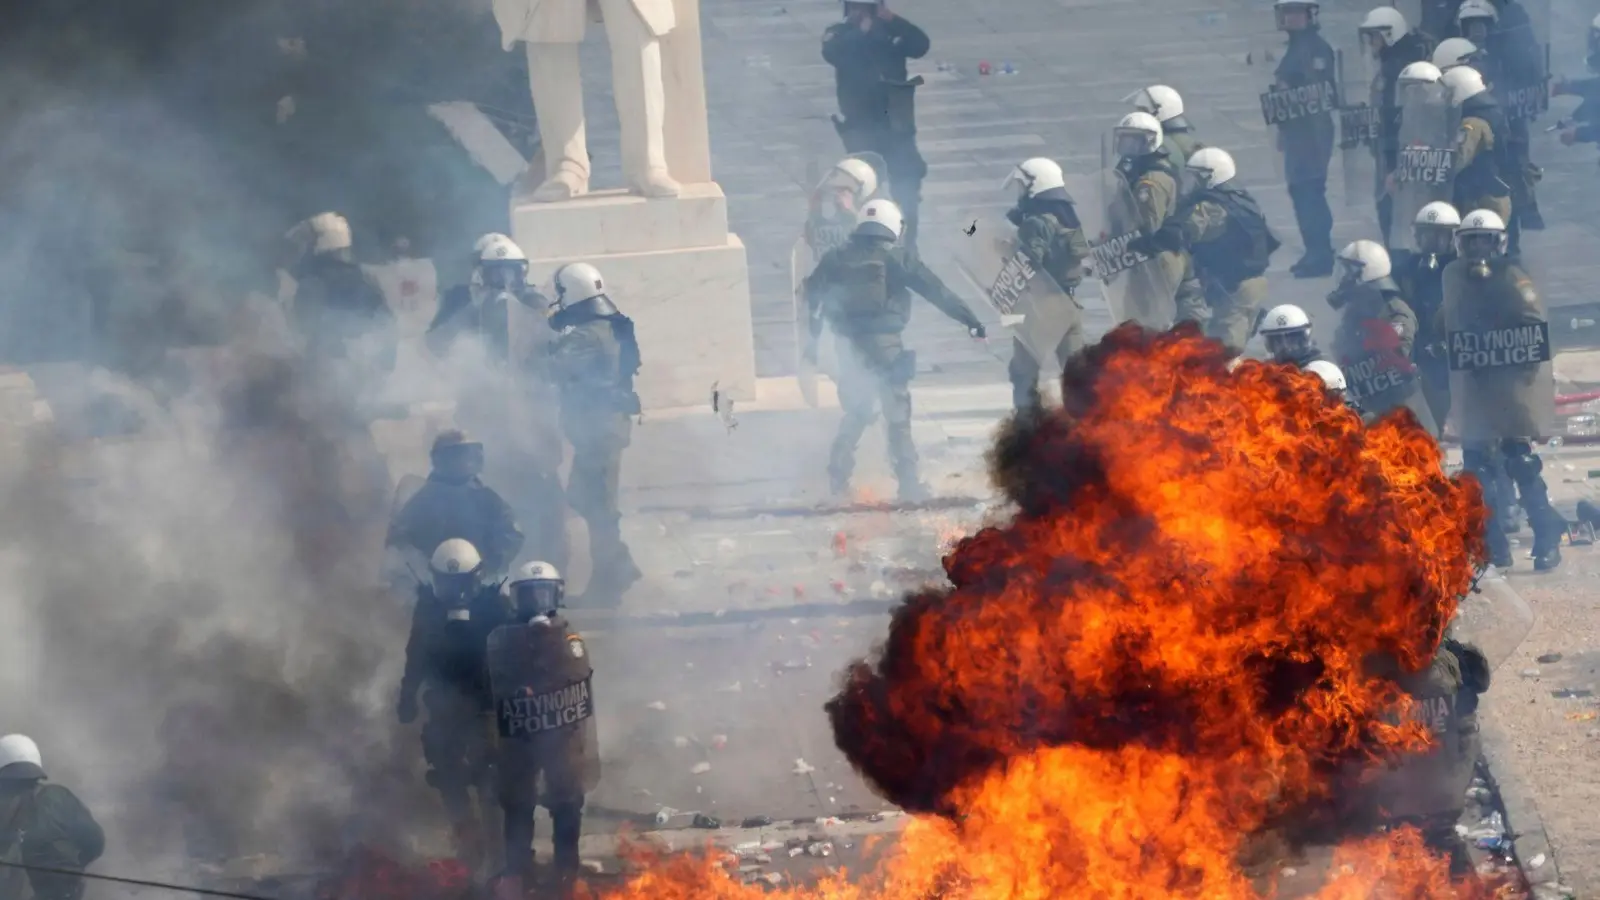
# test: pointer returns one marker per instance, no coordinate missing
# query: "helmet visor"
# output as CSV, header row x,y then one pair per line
x,y
1133,142
1434,239
536,598
1287,346
455,588
1478,244
504,276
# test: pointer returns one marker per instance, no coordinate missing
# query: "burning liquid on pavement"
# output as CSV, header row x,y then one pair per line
x,y
1162,654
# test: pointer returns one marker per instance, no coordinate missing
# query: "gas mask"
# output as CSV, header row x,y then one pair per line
x,y
1433,241
1479,248
504,277
1349,283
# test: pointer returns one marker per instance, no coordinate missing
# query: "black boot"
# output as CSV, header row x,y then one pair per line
x,y
1548,560
566,826
1315,264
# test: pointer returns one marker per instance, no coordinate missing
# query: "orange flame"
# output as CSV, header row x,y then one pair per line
x,y
1169,647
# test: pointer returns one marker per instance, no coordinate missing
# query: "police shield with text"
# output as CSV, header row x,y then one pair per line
x,y
1051,238
1301,104
862,291
1394,45
1514,64
1420,274
1498,341
1139,195
1425,168
1286,332
455,613
1372,343
541,679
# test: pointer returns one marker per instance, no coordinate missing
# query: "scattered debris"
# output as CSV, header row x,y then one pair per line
x,y
680,742
1572,693
658,706
1549,658
593,866
1537,861
700,768
820,848
665,814
1530,673
719,741
701,820
801,767
791,665
756,822
722,405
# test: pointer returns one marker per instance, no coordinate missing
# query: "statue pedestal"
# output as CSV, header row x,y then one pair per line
x,y
671,266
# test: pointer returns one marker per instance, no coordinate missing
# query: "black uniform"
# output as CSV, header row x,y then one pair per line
x,y
1421,280
44,824
1392,60
1307,146
445,508
446,655
875,102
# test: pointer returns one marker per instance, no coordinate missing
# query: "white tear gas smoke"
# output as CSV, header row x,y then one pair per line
x,y
190,620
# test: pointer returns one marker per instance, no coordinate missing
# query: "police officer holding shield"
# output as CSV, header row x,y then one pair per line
x,y
548,752
1484,166
1395,46
1306,141
1049,232
1499,354
1372,344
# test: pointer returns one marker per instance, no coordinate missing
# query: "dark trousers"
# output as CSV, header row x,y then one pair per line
x,y
1311,213
1385,216
1513,457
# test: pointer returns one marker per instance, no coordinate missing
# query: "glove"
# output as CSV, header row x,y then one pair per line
x,y
1144,246
977,331
406,710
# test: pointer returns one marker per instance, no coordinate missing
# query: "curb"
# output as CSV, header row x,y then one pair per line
x,y
1521,812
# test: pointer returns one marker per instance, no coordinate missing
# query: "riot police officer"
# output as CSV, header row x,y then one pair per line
x,y
1456,51
1154,183
862,290
868,52
539,673
1223,229
453,502
497,394
454,615
1503,399
1428,789
1373,341
1307,142
338,312
1395,46
1286,332
593,362
1420,274
1517,69
1048,231
834,204
41,824
1333,380
1484,167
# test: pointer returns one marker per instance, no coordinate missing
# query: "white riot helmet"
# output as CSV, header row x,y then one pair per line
x,y
881,219
1452,52
1332,376
1286,330
1281,7
857,175
20,759
456,569
1158,100
1475,19
1033,177
1464,83
326,232
1137,134
502,265
493,248
1421,72
537,590
1435,227
1211,167
1364,262
1386,24
1481,235
577,282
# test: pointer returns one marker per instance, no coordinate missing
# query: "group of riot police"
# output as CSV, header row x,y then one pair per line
x,y
506,683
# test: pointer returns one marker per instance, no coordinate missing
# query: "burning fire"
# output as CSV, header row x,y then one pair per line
x,y
1164,653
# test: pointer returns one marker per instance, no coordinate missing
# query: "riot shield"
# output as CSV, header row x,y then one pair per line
x,y
1029,301
1494,618
1426,168
1102,310
1136,286
1358,132
1503,366
542,684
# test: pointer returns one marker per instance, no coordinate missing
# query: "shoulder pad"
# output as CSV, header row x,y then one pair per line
x,y
575,645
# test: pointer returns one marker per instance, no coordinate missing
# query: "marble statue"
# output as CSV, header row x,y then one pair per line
x,y
552,31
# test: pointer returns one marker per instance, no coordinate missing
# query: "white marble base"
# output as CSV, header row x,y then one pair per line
x,y
616,221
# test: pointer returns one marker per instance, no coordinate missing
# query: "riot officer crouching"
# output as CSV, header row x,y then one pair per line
x,y
1498,341
445,661
1286,332
540,674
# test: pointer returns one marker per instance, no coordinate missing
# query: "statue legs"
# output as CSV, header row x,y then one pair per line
x,y
554,77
